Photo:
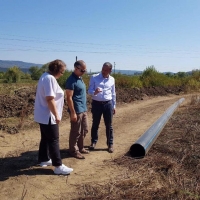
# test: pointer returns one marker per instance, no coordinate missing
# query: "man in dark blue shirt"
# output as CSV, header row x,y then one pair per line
x,y
77,108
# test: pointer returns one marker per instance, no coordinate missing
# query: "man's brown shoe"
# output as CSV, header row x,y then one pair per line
x,y
92,146
84,151
77,155
110,149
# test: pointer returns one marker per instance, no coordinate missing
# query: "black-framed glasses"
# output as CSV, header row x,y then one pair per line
x,y
82,70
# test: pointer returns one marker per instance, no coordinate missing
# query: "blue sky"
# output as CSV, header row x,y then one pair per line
x,y
134,34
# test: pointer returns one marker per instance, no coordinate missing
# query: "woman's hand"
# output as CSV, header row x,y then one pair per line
x,y
57,119
52,108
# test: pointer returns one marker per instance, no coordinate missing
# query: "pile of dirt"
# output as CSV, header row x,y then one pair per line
x,y
127,95
21,103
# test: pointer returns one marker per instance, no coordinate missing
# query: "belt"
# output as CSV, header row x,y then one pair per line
x,y
101,102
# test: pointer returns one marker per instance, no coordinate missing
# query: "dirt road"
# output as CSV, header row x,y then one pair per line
x,y
20,178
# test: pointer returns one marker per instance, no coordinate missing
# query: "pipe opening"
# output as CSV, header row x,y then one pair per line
x,y
137,151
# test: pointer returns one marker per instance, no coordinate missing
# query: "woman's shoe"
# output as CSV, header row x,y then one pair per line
x,y
46,163
63,170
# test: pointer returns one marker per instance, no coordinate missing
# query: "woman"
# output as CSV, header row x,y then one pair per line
x,y
48,113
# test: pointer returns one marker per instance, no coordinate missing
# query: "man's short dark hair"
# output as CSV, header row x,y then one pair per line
x,y
79,63
108,64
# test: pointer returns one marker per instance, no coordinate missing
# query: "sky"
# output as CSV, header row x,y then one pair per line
x,y
130,34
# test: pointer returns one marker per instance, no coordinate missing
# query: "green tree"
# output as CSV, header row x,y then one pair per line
x,y
13,74
63,78
2,74
149,75
35,72
181,74
44,67
149,72
169,74
196,74
26,76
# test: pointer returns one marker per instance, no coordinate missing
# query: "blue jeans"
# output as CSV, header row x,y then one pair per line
x,y
97,110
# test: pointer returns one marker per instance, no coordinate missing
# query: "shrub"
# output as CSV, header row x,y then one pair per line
x,y
13,75
192,85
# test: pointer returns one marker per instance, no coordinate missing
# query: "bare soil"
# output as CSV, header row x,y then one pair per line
x,y
170,170
100,173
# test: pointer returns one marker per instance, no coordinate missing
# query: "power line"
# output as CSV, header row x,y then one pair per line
x,y
60,42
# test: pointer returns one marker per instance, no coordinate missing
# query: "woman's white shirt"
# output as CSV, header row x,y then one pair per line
x,y
47,86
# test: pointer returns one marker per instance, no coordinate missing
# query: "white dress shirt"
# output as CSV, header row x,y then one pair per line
x,y
107,86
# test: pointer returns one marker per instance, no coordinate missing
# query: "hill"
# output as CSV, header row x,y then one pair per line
x,y
24,66
5,64
20,64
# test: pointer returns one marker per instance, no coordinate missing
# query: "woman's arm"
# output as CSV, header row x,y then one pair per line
x,y
52,107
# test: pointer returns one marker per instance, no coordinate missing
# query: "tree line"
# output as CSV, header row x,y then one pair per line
x,y
150,77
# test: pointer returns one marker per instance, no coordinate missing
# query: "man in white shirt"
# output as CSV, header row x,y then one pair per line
x,y
102,90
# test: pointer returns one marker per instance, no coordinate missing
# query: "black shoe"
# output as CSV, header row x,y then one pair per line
x,y
110,149
92,146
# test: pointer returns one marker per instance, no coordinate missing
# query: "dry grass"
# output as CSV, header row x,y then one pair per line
x,y
10,88
171,170
13,125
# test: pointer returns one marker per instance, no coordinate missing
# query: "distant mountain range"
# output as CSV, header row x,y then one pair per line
x,y
24,66
20,64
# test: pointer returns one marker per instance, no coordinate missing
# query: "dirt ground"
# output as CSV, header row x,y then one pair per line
x,y
20,178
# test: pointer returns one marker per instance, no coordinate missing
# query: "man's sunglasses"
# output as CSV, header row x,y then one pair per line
x,y
81,70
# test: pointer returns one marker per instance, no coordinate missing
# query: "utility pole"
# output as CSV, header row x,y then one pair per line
x,y
114,67
76,58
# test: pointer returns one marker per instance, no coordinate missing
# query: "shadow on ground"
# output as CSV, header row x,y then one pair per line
x,y
25,164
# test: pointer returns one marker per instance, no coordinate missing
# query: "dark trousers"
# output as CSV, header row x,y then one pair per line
x,y
97,110
49,144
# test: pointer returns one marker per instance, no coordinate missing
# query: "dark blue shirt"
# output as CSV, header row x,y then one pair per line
x,y
76,84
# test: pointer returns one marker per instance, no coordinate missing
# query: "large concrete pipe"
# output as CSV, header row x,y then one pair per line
x,y
140,148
